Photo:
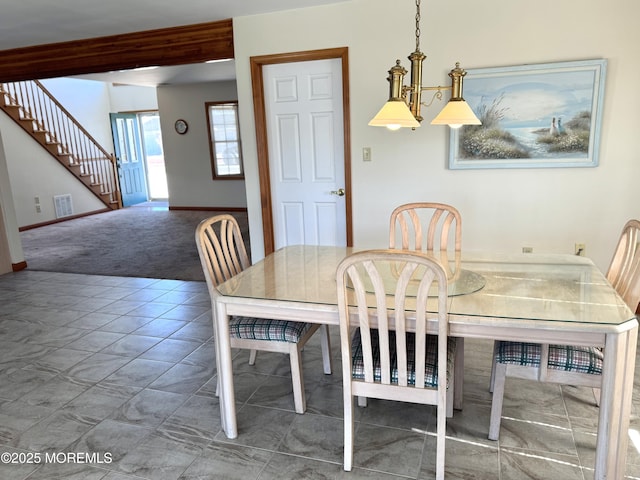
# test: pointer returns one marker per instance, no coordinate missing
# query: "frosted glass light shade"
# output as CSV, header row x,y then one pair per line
x,y
394,114
455,114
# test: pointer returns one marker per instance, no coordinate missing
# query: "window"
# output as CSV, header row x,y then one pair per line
x,y
224,140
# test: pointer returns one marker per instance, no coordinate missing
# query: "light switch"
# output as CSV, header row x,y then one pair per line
x,y
366,154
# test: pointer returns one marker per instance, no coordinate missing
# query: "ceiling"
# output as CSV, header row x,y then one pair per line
x,y
173,75
33,22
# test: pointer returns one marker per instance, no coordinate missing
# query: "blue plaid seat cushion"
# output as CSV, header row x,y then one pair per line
x,y
561,357
267,329
431,360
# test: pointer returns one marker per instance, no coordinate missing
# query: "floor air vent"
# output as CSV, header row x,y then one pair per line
x,y
64,207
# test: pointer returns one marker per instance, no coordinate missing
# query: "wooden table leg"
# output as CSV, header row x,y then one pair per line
x,y
225,372
615,404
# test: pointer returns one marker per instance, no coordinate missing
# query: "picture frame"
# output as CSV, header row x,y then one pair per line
x,y
533,116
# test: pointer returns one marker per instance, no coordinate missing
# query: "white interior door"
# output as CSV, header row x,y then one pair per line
x,y
303,106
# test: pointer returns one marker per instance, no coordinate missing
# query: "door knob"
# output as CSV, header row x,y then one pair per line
x,y
339,192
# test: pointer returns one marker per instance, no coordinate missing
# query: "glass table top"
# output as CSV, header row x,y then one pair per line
x,y
558,288
461,282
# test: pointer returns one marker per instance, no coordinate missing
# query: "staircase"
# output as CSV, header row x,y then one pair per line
x,y
32,107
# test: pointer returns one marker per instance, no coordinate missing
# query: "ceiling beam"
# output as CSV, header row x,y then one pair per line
x,y
162,47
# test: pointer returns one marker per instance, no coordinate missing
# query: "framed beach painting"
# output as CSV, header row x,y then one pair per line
x,y
533,116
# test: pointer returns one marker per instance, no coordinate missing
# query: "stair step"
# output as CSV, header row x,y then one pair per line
x,y
10,103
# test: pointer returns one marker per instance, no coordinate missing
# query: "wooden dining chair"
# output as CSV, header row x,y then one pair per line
x,y
426,226
223,255
435,228
565,364
386,352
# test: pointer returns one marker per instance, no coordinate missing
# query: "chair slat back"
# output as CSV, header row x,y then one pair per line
x,y
425,226
221,248
373,299
624,271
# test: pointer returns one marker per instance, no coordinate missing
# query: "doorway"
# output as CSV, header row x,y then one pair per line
x,y
153,155
263,138
137,140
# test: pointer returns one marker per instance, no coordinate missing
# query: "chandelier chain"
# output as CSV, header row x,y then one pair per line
x,y
417,25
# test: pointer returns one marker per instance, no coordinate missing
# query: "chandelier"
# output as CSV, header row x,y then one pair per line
x,y
403,107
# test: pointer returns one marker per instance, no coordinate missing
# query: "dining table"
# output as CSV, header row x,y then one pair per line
x,y
542,298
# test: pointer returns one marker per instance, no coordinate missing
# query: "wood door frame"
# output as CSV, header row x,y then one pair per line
x,y
257,81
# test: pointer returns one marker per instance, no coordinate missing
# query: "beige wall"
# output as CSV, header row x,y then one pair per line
x,y
187,157
547,209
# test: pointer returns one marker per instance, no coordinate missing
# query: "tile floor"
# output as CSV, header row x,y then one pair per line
x,y
113,378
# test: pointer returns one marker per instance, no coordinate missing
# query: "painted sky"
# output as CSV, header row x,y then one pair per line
x,y
531,100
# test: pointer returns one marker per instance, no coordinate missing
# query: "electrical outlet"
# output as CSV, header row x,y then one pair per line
x,y
527,249
581,249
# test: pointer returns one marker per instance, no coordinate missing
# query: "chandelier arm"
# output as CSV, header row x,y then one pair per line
x,y
406,90
439,87
436,95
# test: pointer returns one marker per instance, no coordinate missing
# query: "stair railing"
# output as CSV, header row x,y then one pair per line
x,y
66,138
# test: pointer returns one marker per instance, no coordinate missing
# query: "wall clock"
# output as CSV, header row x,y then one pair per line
x,y
181,126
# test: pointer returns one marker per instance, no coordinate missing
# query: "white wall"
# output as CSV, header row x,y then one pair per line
x,y
8,221
503,210
35,173
32,171
187,157
132,98
89,102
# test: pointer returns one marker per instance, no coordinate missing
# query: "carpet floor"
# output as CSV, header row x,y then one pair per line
x,y
147,240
